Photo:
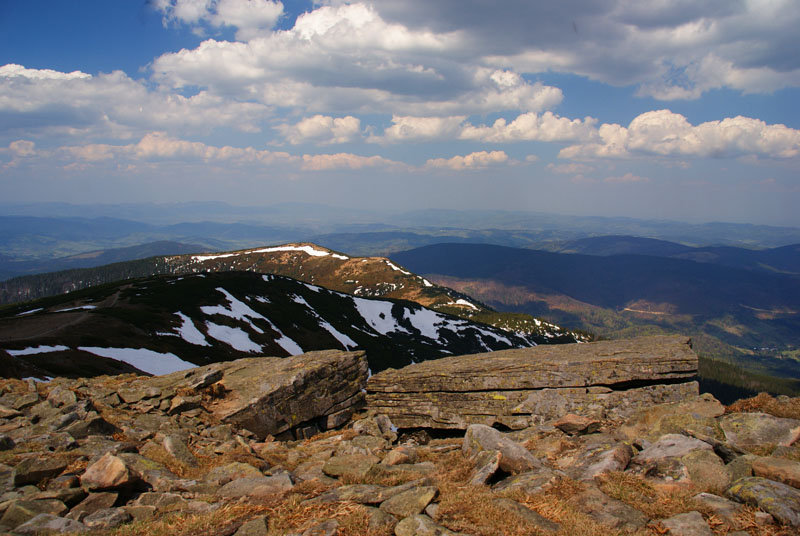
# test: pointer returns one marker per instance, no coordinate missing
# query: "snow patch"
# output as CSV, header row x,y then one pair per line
x,y
305,249
425,321
76,308
143,359
233,337
31,311
189,332
343,339
466,304
37,350
378,314
397,268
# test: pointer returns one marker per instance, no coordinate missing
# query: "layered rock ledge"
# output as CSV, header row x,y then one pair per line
x,y
519,388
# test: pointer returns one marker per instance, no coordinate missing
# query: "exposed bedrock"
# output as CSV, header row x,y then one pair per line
x,y
518,388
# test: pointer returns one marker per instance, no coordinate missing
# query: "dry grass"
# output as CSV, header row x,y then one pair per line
x,y
656,501
765,403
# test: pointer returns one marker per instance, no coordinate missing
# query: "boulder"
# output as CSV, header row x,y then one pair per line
x,y
37,468
517,388
778,469
534,519
274,396
514,457
572,424
255,527
421,525
776,498
50,524
608,511
410,502
257,487
687,524
108,473
21,511
757,432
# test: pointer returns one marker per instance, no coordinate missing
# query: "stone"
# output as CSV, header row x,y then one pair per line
x,y
697,414
255,527
326,528
722,507
107,518
176,448
21,511
669,446
608,511
356,465
401,454
778,469
531,482
369,494
257,487
410,502
92,503
487,462
572,424
271,396
225,473
37,468
69,496
50,524
160,500
514,457
6,443
93,424
380,521
687,524
707,471
518,388
776,498
533,518
108,473
757,432
421,525
599,453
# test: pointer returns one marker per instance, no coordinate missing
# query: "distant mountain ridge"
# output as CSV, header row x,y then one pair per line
x,y
166,323
360,276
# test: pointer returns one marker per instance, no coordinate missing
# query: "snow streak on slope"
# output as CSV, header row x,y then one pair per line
x,y
143,359
37,350
378,314
347,342
305,249
234,337
189,332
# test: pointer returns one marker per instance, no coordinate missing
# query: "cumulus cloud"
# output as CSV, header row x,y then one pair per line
x,y
348,59
665,133
410,128
477,160
323,130
22,148
533,127
328,162
675,49
250,17
110,104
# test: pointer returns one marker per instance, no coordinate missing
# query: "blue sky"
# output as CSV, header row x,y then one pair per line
x,y
673,109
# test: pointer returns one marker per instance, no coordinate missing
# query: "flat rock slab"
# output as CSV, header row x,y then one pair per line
x,y
778,469
687,524
272,395
756,431
518,388
778,499
609,511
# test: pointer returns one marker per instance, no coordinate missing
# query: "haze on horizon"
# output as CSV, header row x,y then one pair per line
x,y
671,110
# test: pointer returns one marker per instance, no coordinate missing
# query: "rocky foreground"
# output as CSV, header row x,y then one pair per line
x,y
235,449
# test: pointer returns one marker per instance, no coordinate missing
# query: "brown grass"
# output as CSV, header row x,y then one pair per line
x,y
765,403
656,501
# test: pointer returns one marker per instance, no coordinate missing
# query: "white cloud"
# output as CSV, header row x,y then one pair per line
x,y
250,17
328,162
665,133
346,59
79,104
410,128
626,179
323,130
477,160
533,127
671,49
22,148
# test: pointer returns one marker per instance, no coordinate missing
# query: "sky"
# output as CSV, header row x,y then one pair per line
x,y
668,109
